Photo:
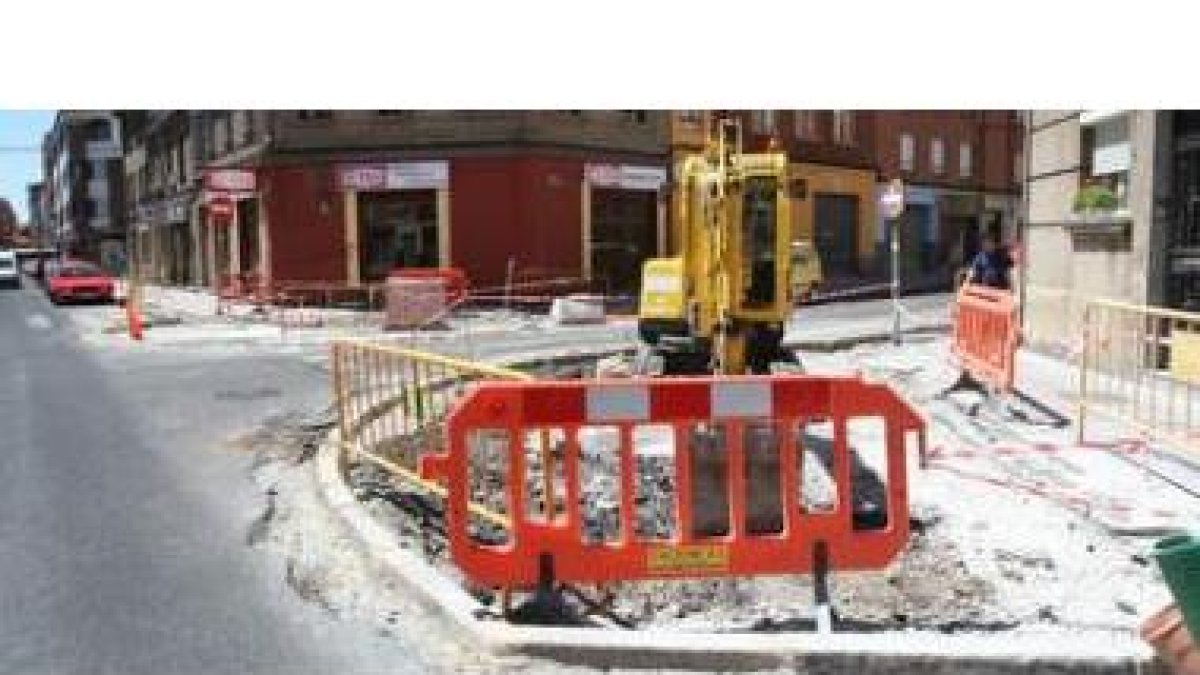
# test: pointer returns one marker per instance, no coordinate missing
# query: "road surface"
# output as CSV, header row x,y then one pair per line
x,y
123,522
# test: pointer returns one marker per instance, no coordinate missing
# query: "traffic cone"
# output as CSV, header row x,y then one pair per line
x,y
134,318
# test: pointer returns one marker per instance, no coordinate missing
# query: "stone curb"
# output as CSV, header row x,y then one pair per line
x,y
834,344
867,653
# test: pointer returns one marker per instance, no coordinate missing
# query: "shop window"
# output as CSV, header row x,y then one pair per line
x,y
964,160
908,153
937,156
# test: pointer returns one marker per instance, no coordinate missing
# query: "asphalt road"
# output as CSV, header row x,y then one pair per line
x,y
123,519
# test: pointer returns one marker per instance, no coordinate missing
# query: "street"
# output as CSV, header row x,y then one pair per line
x,y
122,522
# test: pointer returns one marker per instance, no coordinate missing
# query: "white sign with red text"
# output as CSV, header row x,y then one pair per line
x,y
625,177
397,176
230,180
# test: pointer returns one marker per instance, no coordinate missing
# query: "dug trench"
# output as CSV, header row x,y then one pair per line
x,y
942,581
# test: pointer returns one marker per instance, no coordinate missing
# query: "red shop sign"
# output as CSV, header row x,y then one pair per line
x,y
221,209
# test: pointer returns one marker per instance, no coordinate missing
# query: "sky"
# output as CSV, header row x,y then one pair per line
x,y
20,158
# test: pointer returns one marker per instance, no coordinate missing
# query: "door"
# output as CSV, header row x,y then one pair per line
x,y
248,248
835,231
397,229
624,235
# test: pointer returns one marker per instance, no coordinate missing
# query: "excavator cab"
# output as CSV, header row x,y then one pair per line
x,y
720,302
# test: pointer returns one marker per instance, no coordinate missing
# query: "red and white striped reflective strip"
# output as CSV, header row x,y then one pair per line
x,y
665,400
635,402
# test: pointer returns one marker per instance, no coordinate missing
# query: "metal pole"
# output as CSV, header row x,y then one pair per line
x,y
895,229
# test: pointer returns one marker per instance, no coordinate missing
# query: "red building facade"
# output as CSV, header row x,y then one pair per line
x,y
575,203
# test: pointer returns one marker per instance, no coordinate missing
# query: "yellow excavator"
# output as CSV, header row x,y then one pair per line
x,y
720,302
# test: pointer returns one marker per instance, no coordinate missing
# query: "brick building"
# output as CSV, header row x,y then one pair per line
x,y
960,169
36,196
347,195
962,172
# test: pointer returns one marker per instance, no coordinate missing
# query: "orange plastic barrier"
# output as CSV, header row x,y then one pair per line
x,y
986,335
738,447
455,280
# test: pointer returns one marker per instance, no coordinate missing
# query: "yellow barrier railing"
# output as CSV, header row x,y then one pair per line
x,y
1140,366
391,402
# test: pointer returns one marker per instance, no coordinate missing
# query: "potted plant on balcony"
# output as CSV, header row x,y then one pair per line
x,y
1093,200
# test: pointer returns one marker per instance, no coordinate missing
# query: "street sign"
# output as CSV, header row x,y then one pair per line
x,y
220,209
892,200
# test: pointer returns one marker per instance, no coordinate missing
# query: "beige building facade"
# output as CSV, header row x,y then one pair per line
x,y
1078,246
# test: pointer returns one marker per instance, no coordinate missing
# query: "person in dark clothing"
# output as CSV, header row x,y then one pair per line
x,y
990,267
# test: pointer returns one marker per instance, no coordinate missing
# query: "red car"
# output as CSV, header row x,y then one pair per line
x,y
76,280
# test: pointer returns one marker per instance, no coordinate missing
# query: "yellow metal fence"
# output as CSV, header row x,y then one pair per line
x,y
391,403
1138,367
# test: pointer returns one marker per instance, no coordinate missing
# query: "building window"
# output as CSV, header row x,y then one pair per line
x,y
762,122
692,117
638,116
937,156
908,153
843,127
1106,156
804,125
964,160
391,113
247,127
314,114
226,135
98,130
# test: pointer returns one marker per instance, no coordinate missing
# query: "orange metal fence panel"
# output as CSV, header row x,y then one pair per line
x,y
986,335
740,467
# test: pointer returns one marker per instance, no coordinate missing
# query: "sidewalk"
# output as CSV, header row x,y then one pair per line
x,y
812,332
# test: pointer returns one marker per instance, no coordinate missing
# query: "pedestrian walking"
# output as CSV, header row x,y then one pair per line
x,y
991,266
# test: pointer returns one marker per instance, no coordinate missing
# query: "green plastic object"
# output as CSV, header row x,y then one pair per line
x,y
1178,557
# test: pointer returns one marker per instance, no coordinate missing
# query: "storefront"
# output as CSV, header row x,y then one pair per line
x,y
396,215
234,228
921,231
962,231
624,222
836,211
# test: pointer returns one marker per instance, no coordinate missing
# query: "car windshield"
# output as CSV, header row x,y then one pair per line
x,y
76,269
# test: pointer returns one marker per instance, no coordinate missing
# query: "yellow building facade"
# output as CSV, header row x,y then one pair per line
x,y
823,180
